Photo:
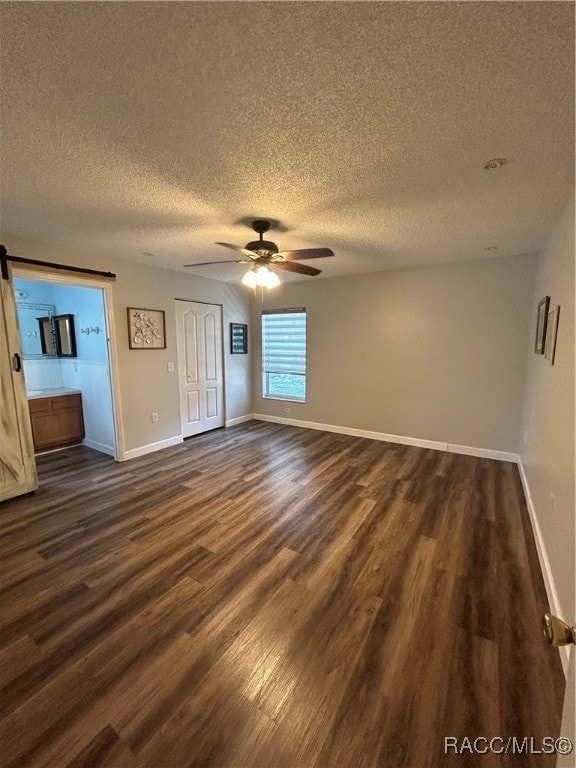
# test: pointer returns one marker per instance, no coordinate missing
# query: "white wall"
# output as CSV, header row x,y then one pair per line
x,y
547,453
43,374
145,383
431,353
547,439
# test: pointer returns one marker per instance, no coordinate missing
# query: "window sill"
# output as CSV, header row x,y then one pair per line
x,y
283,399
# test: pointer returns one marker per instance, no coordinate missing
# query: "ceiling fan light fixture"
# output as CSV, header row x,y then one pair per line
x,y
266,278
250,279
260,277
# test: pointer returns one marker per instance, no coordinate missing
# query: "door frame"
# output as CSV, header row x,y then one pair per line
x,y
222,347
48,276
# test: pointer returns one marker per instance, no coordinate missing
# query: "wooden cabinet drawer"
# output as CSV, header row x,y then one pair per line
x,y
66,401
55,403
39,404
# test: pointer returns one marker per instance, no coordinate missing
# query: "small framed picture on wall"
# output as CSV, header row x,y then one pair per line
x,y
146,328
238,339
541,322
551,334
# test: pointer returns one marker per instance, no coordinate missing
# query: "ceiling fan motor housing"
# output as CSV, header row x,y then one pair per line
x,y
262,246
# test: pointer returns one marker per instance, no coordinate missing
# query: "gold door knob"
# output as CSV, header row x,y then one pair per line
x,y
556,631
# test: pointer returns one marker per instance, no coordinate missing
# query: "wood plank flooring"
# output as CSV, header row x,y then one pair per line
x,y
271,596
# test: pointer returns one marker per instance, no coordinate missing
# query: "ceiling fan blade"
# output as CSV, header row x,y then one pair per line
x,y
209,263
243,251
306,253
302,269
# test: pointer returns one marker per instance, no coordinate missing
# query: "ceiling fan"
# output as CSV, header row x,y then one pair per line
x,y
262,254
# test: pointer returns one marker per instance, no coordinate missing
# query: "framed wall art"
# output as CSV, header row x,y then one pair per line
x,y
146,328
551,334
238,339
541,321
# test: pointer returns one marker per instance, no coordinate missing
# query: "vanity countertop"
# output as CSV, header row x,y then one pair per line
x,y
34,394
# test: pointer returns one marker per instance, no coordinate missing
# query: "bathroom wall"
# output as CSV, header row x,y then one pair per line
x,y
89,371
43,373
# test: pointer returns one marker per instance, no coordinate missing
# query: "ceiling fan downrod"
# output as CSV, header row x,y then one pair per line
x,y
262,247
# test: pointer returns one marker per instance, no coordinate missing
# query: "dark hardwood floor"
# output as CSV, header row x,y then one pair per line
x,y
271,596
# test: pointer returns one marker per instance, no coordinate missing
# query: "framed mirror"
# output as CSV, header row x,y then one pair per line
x,y
47,340
34,321
44,334
64,335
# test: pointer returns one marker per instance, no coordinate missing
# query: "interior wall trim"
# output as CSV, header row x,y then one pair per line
x,y
483,453
108,449
545,567
239,420
142,450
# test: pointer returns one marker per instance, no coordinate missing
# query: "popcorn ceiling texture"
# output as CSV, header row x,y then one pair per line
x,y
162,127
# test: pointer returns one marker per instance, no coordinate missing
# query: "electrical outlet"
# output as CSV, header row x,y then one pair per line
x,y
525,436
553,500
170,367
154,418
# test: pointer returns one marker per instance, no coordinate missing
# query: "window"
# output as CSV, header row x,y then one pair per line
x,y
284,354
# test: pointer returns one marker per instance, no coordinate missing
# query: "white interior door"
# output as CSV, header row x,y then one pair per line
x,y
17,462
199,341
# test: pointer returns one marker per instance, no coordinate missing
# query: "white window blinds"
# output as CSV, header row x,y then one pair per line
x,y
284,354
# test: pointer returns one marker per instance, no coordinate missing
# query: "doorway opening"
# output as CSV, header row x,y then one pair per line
x,y
84,365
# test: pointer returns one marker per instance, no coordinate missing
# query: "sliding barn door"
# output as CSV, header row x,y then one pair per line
x,y
199,340
17,462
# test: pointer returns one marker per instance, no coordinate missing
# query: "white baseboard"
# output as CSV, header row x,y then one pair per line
x,y
239,419
483,453
108,449
133,453
545,567
168,443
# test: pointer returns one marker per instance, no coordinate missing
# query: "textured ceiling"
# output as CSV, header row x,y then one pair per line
x,y
160,128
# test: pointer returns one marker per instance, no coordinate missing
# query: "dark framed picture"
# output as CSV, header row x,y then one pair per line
x,y
541,323
238,339
146,328
551,334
